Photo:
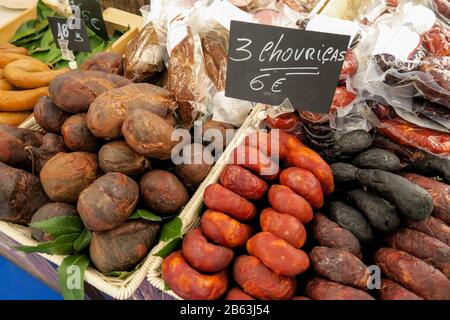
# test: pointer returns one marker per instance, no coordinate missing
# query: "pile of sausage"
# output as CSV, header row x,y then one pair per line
x,y
23,80
384,215
274,257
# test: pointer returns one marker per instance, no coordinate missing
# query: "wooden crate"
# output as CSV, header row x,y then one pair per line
x,y
115,19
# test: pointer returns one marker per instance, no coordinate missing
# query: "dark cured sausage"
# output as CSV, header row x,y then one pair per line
x,y
413,273
321,289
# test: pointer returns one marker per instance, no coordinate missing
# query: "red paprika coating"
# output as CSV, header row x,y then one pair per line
x,y
223,230
303,183
277,254
190,284
283,226
217,197
284,200
243,182
256,161
237,294
204,256
298,155
260,282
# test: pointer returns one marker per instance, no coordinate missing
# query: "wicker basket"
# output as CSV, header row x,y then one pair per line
x,y
192,211
113,287
190,216
124,288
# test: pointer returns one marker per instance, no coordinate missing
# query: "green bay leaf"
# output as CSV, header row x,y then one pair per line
x,y
63,245
58,226
170,247
83,241
71,276
171,229
145,214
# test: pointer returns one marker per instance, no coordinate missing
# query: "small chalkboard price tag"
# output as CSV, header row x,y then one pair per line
x,y
71,29
91,13
268,64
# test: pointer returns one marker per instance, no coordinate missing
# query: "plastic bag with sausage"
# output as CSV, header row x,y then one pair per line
x,y
187,77
143,55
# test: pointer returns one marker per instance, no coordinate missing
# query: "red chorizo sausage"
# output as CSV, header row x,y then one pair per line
x,y
277,254
243,182
298,155
259,282
256,161
283,226
237,294
204,256
284,200
303,183
221,199
267,143
223,230
190,284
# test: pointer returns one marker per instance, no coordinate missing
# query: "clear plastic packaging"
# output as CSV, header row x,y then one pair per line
x,y
442,9
143,55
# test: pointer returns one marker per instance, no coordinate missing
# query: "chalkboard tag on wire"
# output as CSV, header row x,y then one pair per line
x,y
268,64
71,29
91,13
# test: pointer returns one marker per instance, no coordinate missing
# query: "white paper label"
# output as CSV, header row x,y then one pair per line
x,y
400,42
66,54
223,12
322,23
176,31
276,111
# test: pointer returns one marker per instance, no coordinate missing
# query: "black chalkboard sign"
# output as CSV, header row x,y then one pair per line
x,y
268,64
72,31
91,13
